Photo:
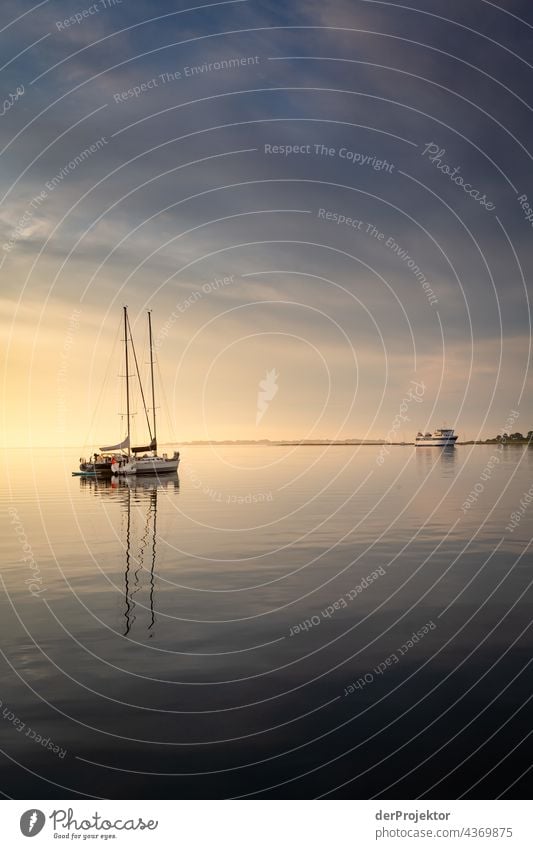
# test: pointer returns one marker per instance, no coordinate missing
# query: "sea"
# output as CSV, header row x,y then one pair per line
x,y
276,621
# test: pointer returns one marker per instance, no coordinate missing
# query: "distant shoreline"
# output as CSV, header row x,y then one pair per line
x,y
346,443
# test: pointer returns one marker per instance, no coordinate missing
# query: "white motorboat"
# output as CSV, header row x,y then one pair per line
x,y
441,437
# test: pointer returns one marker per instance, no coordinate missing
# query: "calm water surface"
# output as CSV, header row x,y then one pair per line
x,y
247,630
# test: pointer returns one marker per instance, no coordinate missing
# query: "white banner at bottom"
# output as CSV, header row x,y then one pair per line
x,y
263,824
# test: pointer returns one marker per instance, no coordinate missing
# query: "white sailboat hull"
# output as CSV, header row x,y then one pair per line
x,y
156,466
147,466
124,468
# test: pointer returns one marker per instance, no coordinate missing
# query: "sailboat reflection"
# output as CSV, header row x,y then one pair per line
x,y
138,497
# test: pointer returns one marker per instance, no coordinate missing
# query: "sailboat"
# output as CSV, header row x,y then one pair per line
x,y
122,458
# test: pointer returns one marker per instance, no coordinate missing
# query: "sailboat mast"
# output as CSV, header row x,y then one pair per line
x,y
127,374
152,374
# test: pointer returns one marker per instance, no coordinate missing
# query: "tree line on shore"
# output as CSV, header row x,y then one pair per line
x,y
512,437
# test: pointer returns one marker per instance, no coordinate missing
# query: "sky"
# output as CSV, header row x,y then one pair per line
x,y
325,206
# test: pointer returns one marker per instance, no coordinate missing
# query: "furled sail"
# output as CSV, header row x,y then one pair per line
x,y
151,447
124,444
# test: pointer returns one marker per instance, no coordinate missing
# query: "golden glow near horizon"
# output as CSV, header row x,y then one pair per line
x,y
64,372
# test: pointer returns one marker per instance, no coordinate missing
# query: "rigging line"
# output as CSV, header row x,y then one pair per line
x,y
165,402
145,362
144,354
110,360
140,381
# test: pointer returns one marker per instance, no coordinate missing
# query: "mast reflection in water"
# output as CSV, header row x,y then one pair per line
x,y
139,540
